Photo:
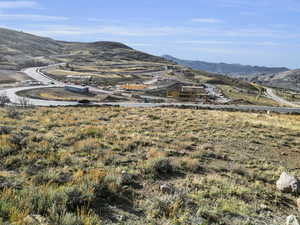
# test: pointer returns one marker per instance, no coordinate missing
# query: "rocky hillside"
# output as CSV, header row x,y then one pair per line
x,y
19,49
287,80
228,69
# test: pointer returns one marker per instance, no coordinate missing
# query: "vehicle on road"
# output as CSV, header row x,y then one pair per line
x,y
84,101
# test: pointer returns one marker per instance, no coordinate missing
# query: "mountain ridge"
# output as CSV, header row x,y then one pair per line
x,y
19,49
225,68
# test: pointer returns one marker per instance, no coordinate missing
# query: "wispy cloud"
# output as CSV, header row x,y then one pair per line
x,y
143,31
235,3
237,43
17,4
32,17
205,42
139,44
206,20
106,29
95,20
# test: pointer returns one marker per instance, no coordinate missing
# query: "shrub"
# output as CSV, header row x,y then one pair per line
x,y
167,206
189,164
62,217
77,198
4,130
160,167
4,100
12,113
18,140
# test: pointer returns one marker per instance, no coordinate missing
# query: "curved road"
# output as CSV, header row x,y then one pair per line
x,y
278,99
37,75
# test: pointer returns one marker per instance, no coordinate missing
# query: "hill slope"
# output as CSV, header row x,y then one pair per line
x,y
19,49
287,80
180,166
229,69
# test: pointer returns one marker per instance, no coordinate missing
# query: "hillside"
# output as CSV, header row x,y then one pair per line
x,y
286,80
145,166
224,68
19,49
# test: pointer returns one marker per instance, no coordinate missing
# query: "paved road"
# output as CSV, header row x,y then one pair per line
x,y
14,98
270,93
35,74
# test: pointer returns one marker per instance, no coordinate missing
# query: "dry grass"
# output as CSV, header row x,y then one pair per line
x,y
249,98
11,77
61,95
289,95
66,164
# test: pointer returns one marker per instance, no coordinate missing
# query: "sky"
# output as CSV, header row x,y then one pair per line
x,y
251,32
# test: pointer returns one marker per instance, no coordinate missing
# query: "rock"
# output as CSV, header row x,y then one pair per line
x,y
288,183
292,220
167,189
35,220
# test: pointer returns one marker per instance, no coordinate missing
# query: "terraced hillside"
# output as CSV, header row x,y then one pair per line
x,y
91,166
287,80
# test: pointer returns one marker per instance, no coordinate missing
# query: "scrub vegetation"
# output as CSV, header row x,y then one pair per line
x,y
106,165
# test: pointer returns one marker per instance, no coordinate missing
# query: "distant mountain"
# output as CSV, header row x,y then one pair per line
x,y
234,70
19,49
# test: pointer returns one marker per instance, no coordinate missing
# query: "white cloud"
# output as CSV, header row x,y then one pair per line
x,y
107,29
95,20
17,4
212,42
139,44
206,20
139,31
206,42
31,17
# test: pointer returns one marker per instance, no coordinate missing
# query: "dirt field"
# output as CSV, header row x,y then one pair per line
x,y
61,94
10,78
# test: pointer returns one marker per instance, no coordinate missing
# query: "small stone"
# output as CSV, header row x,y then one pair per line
x,y
288,183
292,220
166,188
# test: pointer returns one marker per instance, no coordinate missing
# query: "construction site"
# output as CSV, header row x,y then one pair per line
x,y
136,82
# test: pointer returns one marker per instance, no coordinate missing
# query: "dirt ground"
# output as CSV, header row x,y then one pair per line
x,y
9,78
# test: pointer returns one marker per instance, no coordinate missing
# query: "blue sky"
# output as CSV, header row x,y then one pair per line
x,y
255,32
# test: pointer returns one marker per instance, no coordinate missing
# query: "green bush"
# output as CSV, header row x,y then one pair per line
x,y
160,167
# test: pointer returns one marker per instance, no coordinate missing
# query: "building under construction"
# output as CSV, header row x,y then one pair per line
x,y
187,93
133,87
